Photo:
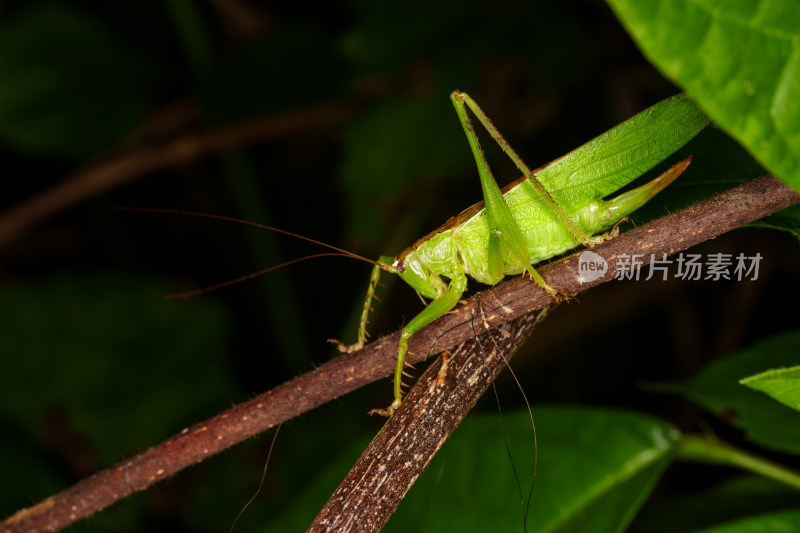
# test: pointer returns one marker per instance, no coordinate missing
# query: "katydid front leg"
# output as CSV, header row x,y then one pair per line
x,y
384,263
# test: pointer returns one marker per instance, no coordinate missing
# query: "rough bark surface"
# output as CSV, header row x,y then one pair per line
x,y
431,411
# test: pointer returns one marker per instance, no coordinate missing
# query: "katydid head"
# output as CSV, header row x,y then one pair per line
x,y
413,271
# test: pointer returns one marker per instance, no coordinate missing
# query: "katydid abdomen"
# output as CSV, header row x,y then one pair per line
x,y
463,248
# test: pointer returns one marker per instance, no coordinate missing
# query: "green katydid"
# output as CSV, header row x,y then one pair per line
x,y
544,213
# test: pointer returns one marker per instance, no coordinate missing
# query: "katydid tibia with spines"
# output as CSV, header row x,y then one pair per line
x,y
544,213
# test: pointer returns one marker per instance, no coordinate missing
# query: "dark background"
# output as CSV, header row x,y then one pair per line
x,y
335,123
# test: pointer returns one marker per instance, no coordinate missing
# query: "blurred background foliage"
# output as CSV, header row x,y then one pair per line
x,y
332,121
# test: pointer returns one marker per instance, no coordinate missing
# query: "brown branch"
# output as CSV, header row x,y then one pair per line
x,y
430,413
108,175
503,303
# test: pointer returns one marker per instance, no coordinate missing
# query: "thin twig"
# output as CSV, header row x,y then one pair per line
x,y
503,303
87,183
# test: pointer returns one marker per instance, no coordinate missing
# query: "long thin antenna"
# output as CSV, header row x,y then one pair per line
x,y
197,292
188,294
246,222
525,502
263,477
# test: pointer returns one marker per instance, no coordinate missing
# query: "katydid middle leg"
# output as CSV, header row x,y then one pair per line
x,y
434,310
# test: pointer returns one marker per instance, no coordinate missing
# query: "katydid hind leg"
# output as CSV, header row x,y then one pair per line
x,y
506,237
465,100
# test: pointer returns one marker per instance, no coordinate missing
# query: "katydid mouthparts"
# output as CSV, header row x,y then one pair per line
x,y
544,213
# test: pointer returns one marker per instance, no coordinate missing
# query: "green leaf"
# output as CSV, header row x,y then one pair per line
x,y
316,487
70,337
378,38
717,388
788,220
595,468
299,480
421,140
739,59
782,384
246,84
32,476
781,522
69,87
420,131
720,163
732,499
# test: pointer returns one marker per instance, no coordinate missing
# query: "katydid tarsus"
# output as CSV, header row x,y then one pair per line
x,y
546,212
